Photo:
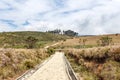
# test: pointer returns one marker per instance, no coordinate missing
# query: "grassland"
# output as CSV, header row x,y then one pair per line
x,y
89,60
17,39
101,63
15,59
91,41
92,61
14,62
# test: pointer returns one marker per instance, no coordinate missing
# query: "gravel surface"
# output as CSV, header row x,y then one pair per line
x,y
54,69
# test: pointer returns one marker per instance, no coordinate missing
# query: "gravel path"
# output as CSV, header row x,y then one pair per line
x,y
54,69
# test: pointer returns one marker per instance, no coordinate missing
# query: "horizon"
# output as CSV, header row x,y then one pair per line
x,y
66,30
88,17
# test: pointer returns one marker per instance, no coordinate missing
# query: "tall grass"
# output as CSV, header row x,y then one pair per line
x,y
15,61
102,63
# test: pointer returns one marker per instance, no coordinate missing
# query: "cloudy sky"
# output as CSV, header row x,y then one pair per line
x,y
84,16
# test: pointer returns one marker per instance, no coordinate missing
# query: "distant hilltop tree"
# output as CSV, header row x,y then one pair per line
x,y
68,32
56,31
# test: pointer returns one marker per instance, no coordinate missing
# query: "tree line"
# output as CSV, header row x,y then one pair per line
x,y
67,32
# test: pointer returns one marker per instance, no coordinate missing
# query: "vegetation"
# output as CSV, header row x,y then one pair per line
x,y
68,32
96,63
104,41
56,31
90,41
94,57
16,61
87,57
18,39
31,41
50,51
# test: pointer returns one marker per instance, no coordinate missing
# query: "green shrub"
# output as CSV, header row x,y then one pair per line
x,y
64,40
31,41
28,64
105,41
50,51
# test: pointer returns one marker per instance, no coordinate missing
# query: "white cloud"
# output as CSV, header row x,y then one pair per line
x,y
85,17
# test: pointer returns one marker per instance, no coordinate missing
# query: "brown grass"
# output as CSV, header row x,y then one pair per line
x,y
91,40
16,61
102,63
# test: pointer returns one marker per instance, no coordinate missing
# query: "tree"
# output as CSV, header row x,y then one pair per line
x,y
98,42
56,31
116,34
70,33
84,41
31,41
105,41
80,41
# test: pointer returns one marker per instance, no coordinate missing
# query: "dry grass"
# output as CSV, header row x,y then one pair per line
x,y
93,62
101,63
91,40
16,61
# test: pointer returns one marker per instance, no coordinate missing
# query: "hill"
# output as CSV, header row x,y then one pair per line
x,y
91,41
17,39
91,61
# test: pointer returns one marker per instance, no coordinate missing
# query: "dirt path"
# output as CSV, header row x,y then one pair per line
x,y
51,45
54,69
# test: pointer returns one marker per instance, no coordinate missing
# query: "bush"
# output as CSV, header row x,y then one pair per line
x,y
101,55
28,64
116,54
31,41
105,41
50,51
109,71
